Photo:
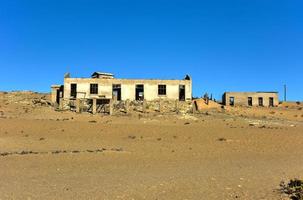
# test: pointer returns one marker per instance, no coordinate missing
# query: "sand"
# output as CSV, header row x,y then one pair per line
x,y
234,153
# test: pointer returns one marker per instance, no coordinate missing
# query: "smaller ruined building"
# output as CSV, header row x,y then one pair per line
x,y
268,99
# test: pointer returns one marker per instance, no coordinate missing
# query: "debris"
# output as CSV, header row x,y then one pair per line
x,y
222,139
41,102
56,152
132,137
117,149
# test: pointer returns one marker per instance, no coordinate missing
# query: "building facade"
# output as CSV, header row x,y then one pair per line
x,y
267,99
105,85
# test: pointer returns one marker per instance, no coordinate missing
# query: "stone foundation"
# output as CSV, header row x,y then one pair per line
x,y
162,106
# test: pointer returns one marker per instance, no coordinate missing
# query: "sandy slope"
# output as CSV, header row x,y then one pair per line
x,y
222,155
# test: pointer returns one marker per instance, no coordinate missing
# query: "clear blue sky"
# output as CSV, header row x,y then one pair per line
x,y
225,45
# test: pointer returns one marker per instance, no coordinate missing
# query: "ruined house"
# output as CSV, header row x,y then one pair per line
x,y
266,99
105,86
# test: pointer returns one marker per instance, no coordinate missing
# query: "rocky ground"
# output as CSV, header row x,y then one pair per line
x,y
231,153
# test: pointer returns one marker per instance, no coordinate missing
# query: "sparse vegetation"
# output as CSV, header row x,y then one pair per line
x,y
294,189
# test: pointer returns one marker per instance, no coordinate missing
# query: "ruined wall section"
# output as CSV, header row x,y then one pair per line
x,y
128,88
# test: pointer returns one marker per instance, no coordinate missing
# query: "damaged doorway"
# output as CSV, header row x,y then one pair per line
x,y
117,91
271,101
181,92
139,92
73,90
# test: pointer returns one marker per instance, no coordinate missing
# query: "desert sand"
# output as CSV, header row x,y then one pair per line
x,y
232,153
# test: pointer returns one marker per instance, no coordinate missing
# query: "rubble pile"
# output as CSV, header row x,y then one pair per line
x,y
27,98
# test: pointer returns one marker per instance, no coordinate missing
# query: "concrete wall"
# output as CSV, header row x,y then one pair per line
x,y
241,98
128,88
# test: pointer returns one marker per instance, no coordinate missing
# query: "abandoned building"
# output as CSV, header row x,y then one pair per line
x,y
267,99
104,86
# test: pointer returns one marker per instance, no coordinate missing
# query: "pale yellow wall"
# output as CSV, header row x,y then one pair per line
x,y
128,88
128,91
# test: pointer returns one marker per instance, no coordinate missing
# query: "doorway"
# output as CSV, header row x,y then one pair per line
x,y
139,92
58,96
73,90
181,92
250,102
117,91
271,101
231,101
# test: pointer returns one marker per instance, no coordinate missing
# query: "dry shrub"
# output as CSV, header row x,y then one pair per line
x,y
294,189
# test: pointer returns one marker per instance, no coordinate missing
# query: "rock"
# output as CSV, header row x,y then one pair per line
x,y
132,137
222,139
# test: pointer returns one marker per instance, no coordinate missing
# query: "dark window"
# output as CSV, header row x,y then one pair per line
x,y
161,89
271,101
250,101
94,88
260,100
73,90
231,101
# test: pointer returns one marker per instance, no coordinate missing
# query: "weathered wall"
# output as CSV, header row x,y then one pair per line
x,y
128,88
54,89
241,98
